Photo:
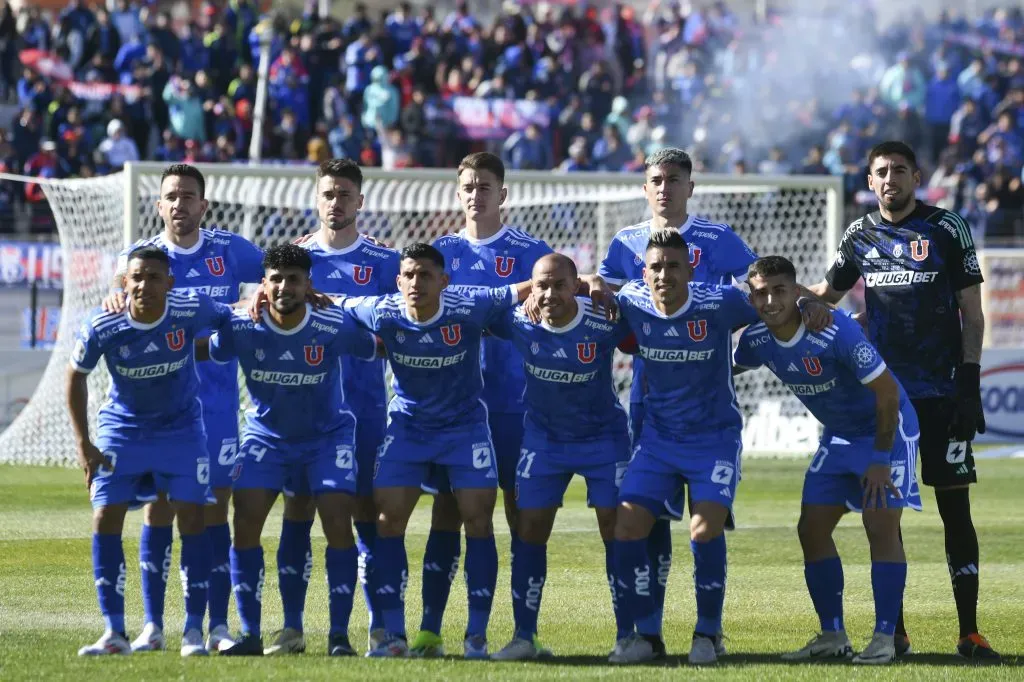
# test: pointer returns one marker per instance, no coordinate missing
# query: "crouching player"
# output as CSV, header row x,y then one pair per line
x,y
150,428
865,462
574,425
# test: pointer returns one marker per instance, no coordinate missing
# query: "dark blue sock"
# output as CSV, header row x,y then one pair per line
x,y
529,573
440,566
709,580
634,570
825,585
481,581
659,551
294,565
155,568
220,574
390,581
110,574
623,626
366,535
342,571
247,577
195,578
888,579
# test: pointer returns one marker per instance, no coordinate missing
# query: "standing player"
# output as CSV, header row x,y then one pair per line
x,y
299,427
150,426
215,263
865,461
574,425
717,256
437,419
924,314
683,330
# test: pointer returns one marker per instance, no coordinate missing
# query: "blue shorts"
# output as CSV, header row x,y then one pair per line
x,y
177,466
507,436
834,475
546,467
674,508
708,466
221,446
369,436
458,458
325,465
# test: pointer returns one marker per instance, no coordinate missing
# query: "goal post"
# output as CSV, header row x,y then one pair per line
x,y
576,213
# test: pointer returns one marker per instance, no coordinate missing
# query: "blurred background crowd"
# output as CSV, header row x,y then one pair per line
x,y
803,87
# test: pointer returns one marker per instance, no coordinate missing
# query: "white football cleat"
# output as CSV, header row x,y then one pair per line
x,y
520,649
287,641
110,643
633,649
219,639
150,639
192,644
881,650
824,645
703,650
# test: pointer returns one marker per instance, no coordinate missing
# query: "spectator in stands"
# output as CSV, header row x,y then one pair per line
x,y
527,150
812,163
941,102
610,152
380,101
118,148
903,84
185,109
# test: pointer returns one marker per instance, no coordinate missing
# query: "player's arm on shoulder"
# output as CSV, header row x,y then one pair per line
x,y
362,310
116,299
746,357
841,276
248,259
502,324
610,269
736,306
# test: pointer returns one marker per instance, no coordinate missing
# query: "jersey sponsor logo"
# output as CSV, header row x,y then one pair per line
x,y
451,334
503,265
152,371
211,291
427,361
813,366
671,332
559,376
757,341
816,341
707,235
516,242
919,249
792,367
873,253
361,274
324,327
695,253
182,313
175,339
586,352
314,355
595,324
812,389
335,274
192,272
560,354
663,355
215,266
426,339
698,329
898,278
286,378
151,348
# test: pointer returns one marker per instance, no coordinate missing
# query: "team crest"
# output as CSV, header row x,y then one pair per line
x,y
260,355
451,334
124,352
503,265
897,250
698,329
455,263
637,259
919,249
647,328
813,366
215,265
176,339
586,352
361,274
400,337
695,252
314,355
534,347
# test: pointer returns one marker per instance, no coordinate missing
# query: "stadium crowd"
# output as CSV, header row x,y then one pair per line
x,y
548,85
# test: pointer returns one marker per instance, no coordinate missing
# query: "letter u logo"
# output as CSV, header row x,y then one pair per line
x,y
503,265
176,339
919,249
215,265
695,252
813,366
361,273
698,329
586,352
452,334
314,355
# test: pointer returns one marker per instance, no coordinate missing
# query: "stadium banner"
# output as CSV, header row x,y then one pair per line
x,y
1003,296
25,263
47,323
48,65
496,119
1002,394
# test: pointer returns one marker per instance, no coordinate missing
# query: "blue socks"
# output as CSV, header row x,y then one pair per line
x,y
440,566
825,584
220,574
634,569
247,577
481,582
390,580
709,580
366,536
342,571
623,625
195,578
659,550
155,567
109,572
529,573
888,580
294,564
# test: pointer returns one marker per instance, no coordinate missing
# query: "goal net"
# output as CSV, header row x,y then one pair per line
x,y
577,214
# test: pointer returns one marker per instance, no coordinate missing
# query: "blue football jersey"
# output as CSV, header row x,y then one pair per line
x,y
570,394
688,357
154,389
506,258
826,370
435,364
362,269
218,264
717,255
294,375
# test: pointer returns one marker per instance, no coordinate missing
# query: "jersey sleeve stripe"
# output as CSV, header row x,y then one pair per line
x,y
874,375
962,229
78,368
613,280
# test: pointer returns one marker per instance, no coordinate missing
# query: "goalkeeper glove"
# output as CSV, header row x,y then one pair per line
x,y
968,412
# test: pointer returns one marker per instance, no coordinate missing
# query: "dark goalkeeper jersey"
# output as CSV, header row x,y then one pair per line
x,y
912,271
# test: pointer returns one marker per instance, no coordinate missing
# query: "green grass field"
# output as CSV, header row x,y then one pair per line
x,y
48,604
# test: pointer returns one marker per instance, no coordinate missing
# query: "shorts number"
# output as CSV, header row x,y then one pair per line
x,y
722,474
956,453
344,459
228,452
203,470
482,456
257,452
382,449
525,462
898,472
104,470
818,461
